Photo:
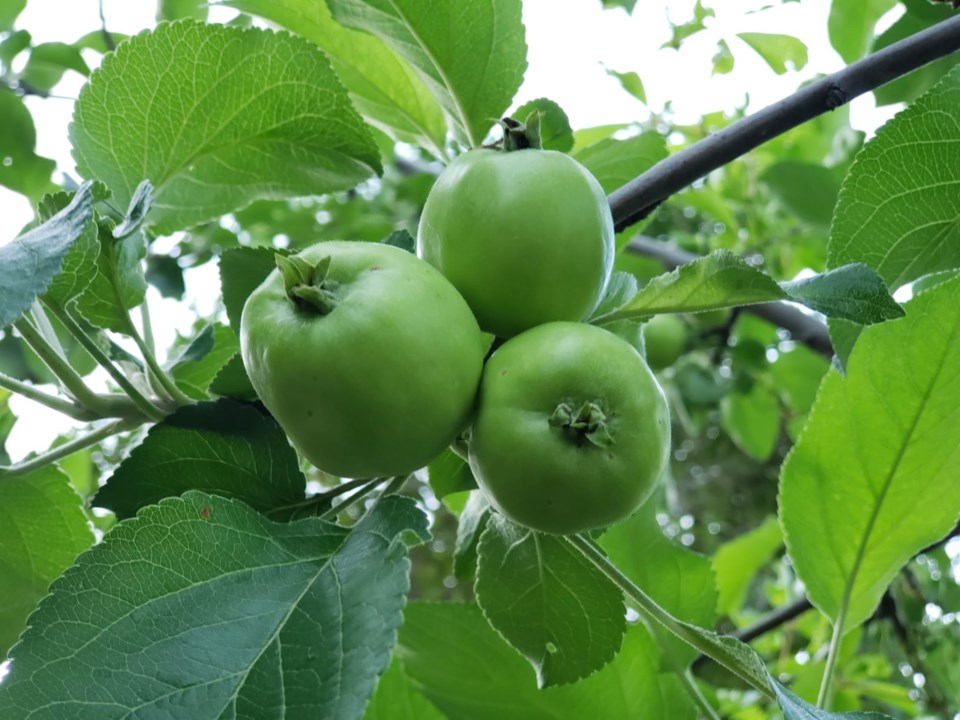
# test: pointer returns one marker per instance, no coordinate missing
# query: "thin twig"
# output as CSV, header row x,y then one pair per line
x,y
802,327
31,392
61,451
108,40
640,196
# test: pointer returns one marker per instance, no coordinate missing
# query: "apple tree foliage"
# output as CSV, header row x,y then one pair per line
x,y
173,557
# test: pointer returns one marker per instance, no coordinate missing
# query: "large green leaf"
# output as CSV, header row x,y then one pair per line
x,y
467,671
22,170
679,580
223,447
548,602
851,25
201,608
796,709
44,529
9,9
29,264
216,117
471,55
898,209
873,477
384,88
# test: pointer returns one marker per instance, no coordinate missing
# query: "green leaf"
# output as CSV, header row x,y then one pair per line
x,y
202,608
614,163
851,24
737,561
555,131
852,292
9,9
720,279
548,602
176,9
232,381
21,169
627,5
797,375
401,239
44,529
810,191
471,56
723,60
872,479
897,210
137,211
796,709
912,85
678,579
449,473
29,264
118,282
206,356
80,262
383,87
780,52
621,288
630,82
396,699
241,272
241,114
49,61
453,656
166,275
472,522
222,447
752,420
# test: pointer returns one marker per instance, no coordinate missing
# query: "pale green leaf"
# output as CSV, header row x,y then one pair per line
x,y
614,163
548,601
737,561
29,264
201,608
49,61
205,357
851,24
780,52
465,669
449,473
216,117
629,81
678,579
873,478
752,420
720,279
44,529
21,169
898,209
383,87
471,56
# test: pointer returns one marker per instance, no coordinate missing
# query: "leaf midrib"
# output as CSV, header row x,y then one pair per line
x,y
875,513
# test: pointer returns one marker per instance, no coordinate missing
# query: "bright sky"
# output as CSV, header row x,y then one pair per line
x,y
569,42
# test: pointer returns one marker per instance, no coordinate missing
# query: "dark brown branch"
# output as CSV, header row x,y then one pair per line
x,y
803,328
640,196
